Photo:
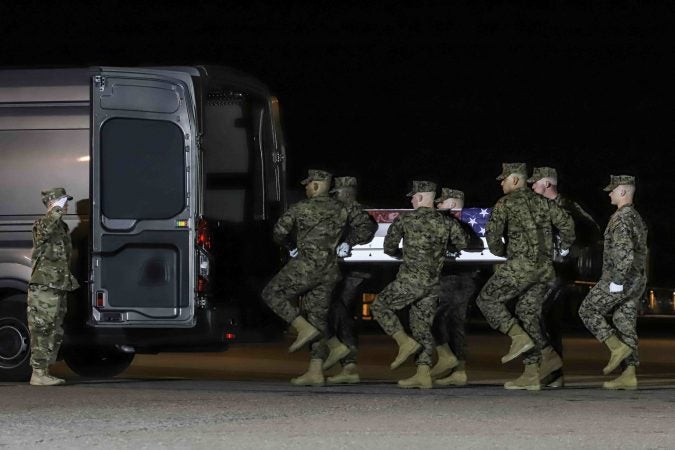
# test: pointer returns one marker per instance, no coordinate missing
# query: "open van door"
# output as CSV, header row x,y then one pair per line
x,y
143,198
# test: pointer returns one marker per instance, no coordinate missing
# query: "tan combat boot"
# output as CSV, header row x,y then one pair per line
x,y
41,377
520,343
338,350
620,351
421,380
457,377
529,380
407,347
306,333
349,375
550,373
313,376
446,362
627,380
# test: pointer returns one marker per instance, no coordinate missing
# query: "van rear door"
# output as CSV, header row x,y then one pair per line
x,y
143,192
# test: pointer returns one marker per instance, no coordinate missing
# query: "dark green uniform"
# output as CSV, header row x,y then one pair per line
x,y
426,235
624,263
525,220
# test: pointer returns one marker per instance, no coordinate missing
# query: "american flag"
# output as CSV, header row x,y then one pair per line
x,y
477,218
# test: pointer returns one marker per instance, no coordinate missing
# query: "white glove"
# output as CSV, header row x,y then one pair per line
x,y
343,250
293,252
613,287
60,202
564,251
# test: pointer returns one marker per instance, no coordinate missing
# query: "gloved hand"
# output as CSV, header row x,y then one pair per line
x,y
343,250
564,251
60,202
452,254
613,287
293,252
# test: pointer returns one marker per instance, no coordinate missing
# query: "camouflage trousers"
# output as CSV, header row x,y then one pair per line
x,y
46,310
527,282
341,322
422,298
623,308
449,325
314,284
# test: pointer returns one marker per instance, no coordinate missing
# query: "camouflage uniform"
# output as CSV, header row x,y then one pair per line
x,y
426,234
624,262
341,312
50,282
318,224
524,219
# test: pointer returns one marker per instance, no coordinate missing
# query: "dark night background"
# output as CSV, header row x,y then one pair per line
x,y
426,91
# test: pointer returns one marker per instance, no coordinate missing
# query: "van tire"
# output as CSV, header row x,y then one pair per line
x,y
14,339
97,362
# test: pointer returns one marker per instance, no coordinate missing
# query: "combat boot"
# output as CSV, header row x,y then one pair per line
x,y
313,376
520,343
407,347
457,377
306,333
550,372
627,380
41,377
421,380
529,380
349,375
620,351
338,350
446,362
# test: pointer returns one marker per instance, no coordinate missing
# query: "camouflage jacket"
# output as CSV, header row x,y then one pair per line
x,y
51,252
363,227
586,228
525,220
316,225
427,234
625,253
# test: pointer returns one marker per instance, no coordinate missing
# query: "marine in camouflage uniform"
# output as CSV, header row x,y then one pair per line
x,y
341,333
525,220
50,282
544,182
621,284
314,226
426,235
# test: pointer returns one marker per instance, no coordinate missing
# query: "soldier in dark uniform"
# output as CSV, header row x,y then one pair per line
x,y
426,235
545,182
343,341
623,281
311,229
458,285
525,221
50,282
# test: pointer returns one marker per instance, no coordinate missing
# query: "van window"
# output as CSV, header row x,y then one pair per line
x,y
142,169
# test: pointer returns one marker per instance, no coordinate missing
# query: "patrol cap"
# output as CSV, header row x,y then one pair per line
x,y
616,180
317,175
509,168
52,194
422,186
543,172
344,182
447,193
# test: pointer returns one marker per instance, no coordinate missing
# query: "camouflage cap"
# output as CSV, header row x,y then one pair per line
x,y
317,175
509,168
422,186
52,194
543,172
616,180
344,182
447,193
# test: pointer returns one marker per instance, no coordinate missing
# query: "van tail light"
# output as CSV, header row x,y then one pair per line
x,y
204,234
201,284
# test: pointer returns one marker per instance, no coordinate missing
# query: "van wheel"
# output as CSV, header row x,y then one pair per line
x,y
14,339
97,362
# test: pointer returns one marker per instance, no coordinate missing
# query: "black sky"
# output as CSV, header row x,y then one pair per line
x,y
427,91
